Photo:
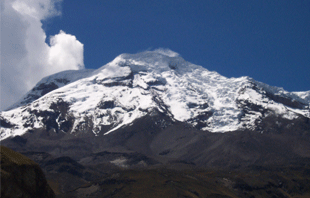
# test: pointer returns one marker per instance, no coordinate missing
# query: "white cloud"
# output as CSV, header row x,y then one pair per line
x,y
25,57
65,51
39,9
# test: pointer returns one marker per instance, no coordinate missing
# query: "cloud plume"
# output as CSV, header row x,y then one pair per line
x,y
25,56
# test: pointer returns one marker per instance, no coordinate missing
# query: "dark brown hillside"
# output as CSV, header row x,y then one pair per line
x,y
22,177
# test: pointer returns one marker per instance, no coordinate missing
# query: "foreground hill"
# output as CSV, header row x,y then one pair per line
x,y
22,177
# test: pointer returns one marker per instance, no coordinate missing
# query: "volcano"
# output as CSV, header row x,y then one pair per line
x,y
156,108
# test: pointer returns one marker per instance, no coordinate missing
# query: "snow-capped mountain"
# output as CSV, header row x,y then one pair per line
x,y
134,85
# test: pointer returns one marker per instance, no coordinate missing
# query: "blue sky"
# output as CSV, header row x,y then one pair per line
x,y
266,40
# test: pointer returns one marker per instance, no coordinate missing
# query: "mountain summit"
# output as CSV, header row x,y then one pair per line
x,y
134,85
156,108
